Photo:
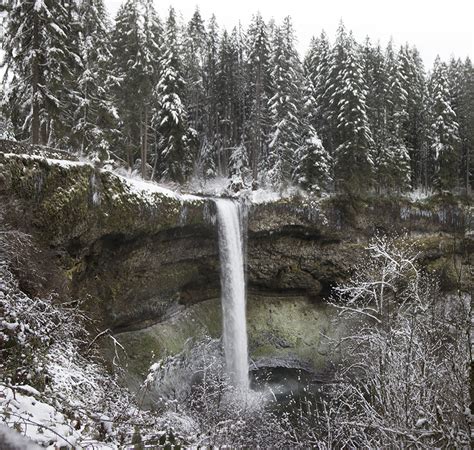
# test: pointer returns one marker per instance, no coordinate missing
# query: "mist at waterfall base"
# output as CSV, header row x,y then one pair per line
x,y
210,387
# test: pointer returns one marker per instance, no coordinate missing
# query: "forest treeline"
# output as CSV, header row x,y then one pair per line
x,y
180,100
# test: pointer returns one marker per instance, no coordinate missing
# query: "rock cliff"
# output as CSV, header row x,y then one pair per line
x,y
144,260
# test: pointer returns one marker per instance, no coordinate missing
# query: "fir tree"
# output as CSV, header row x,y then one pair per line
x,y
351,135
238,168
239,44
444,129
206,162
316,68
259,89
127,73
415,127
194,60
210,77
285,135
228,100
461,86
150,46
313,171
392,160
170,118
94,115
40,58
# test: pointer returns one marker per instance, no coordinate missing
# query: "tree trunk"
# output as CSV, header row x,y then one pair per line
x,y
35,75
145,142
468,162
258,125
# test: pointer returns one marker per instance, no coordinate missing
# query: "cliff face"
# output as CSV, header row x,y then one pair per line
x,y
144,260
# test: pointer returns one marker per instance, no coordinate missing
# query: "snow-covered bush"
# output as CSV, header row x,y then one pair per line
x,y
405,383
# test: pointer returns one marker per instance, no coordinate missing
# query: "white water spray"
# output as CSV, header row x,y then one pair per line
x,y
233,292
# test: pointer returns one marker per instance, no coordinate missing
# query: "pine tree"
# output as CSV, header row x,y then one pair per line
x,y
127,72
316,67
170,118
415,127
206,161
238,168
150,45
461,86
285,135
227,100
467,107
350,132
259,90
12,109
313,171
194,60
210,76
444,130
392,160
376,77
6,125
136,51
94,115
40,59
239,44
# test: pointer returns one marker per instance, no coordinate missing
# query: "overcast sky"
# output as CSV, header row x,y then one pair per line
x,y
435,27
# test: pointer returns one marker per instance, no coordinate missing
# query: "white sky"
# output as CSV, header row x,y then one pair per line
x,y
443,27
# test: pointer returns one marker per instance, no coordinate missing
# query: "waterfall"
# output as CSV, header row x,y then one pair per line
x,y
233,291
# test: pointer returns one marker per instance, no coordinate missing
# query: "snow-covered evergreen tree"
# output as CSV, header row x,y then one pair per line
x,y
228,105
136,51
194,60
170,117
461,86
127,73
259,90
210,75
6,125
238,168
150,45
239,44
40,59
415,127
350,132
392,159
206,162
376,78
316,67
444,130
314,164
94,117
285,135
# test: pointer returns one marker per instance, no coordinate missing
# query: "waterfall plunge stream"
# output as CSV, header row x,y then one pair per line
x,y
233,291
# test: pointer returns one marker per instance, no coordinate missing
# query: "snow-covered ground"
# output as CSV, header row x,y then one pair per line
x,y
146,189
39,421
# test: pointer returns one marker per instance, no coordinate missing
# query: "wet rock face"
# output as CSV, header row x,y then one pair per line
x,y
137,281
295,264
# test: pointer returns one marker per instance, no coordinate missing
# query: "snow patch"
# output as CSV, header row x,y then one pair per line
x,y
261,196
55,162
147,190
35,419
420,194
